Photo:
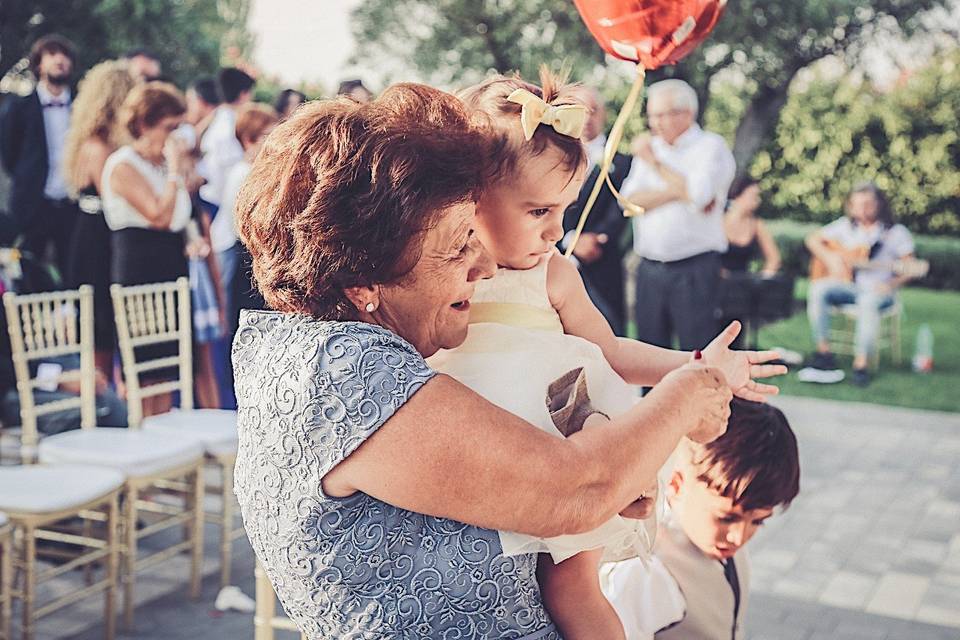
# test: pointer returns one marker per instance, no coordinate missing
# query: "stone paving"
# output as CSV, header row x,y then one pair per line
x,y
870,550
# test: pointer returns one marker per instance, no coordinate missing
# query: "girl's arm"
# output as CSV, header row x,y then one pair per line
x,y
573,598
643,364
771,253
636,362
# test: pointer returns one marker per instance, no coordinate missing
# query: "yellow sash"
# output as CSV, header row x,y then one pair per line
x,y
515,314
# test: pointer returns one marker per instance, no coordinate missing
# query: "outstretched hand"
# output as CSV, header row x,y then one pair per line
x,y
741,368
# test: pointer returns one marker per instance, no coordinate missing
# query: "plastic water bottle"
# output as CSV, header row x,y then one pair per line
x,y
923,355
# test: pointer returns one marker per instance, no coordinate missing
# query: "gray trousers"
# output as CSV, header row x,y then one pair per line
x,y
678,299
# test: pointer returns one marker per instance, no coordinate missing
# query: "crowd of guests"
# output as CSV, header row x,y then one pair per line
x,y
124,178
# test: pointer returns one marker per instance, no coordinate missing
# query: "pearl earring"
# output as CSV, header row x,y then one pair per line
x,y
370,308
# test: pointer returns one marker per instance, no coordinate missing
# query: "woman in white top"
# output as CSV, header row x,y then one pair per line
x,y
145,200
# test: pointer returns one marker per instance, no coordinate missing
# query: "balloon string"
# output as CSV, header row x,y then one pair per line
x,y
609,151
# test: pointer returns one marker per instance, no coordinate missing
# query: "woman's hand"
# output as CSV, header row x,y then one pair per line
x,y
644,506
703,396
741,367
176,155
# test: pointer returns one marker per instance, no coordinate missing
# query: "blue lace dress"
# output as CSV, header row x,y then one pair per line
x,y
309,393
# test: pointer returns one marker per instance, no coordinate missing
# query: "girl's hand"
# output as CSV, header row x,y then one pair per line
x,y
741,367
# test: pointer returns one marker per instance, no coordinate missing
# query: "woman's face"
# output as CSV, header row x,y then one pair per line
x,y
749,199
863,207
430,306
156,136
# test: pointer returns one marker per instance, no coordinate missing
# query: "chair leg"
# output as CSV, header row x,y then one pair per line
x,y
226,527
87,568
266,606
129,555
110,595
6,586
196,559
29,580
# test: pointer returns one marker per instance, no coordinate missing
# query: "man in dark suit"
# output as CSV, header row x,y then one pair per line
x,y
599,252
33,133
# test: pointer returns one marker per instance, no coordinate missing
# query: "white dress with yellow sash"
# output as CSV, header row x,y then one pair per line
x,y
515,348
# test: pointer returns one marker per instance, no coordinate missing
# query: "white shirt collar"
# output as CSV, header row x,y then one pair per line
x,y
595,149
690,136
46,97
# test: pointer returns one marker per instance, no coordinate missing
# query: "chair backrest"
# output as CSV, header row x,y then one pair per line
x,y
153,314
43,326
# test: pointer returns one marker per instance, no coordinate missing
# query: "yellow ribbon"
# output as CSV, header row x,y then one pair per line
x,y
609,151
566,119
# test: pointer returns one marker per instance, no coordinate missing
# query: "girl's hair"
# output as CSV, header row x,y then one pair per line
x,y
147,104
95,114
884,211
252,120
740,185
489,98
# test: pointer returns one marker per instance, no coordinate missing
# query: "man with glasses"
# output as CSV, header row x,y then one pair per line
x,y
680,176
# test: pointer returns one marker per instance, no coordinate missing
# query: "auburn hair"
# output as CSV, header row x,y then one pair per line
x,y
489,99
252,120
755,463
341,194
149,103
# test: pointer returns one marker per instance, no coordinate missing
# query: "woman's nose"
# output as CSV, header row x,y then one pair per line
x,y
484,266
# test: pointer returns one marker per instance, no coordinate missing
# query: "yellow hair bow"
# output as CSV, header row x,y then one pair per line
x,y
566,119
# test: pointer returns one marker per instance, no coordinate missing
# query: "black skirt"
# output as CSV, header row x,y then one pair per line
x,y
89,263
148,256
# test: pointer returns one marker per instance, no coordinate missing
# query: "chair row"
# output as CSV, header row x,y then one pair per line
x,y
102,490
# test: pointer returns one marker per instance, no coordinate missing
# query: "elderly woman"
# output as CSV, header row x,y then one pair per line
x,y
371,487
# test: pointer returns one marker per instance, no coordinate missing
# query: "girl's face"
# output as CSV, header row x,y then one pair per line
x,y
520,219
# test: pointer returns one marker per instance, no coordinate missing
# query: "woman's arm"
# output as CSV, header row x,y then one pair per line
x,y
129,184
448,452
771,253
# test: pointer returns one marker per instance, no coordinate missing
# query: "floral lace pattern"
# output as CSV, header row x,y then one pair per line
x,y
309,393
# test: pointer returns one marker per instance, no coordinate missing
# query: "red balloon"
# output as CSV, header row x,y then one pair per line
x,y
650,32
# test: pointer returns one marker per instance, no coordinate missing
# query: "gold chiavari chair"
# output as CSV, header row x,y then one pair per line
x,y
153,314
40,499
6,576
45,325
265,618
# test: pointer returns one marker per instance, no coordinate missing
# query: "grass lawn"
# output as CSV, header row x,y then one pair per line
x,y
892,385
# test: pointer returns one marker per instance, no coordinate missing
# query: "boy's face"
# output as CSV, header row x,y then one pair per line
x,y
711,521
521,219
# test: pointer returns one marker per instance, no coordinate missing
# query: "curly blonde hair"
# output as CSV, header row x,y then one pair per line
x,y
95,114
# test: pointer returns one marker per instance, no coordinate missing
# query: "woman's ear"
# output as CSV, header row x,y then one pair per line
x,y
365,299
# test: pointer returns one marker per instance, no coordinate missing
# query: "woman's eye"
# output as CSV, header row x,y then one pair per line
x,y
539,213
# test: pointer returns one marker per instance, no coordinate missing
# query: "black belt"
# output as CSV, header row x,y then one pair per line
x,y
682,261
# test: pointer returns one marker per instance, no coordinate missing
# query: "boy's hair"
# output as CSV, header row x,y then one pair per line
x,y
490,98
232,82
755,463
206,87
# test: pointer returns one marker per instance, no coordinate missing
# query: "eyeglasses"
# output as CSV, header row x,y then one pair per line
x,y
663,114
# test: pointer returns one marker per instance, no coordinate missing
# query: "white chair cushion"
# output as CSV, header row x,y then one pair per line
x,y
216,428
134,453
3,519
38,488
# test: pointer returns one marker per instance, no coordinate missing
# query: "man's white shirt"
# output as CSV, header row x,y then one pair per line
x,y
682,229
56,124
221,151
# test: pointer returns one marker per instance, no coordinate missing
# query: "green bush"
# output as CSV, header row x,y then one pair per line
x,y
833,134
943,253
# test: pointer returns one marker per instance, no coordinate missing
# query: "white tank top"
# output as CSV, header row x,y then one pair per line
x,y
120,214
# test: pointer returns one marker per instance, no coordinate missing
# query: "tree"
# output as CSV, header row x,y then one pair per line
x,y
766,41
188,36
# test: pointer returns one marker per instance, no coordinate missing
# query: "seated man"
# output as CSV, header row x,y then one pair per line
x,y
853,260
719,494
